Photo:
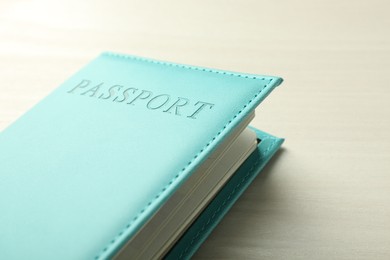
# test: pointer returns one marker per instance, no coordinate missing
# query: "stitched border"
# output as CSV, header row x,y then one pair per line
x,y
241,75
200,152
209,221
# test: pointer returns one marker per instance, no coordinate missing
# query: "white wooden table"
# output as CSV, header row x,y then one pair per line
x,y
327,193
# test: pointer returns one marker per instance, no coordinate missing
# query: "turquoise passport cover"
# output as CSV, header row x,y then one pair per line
x,y
85,168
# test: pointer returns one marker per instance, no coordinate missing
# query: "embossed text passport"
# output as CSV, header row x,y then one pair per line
x,y
130,158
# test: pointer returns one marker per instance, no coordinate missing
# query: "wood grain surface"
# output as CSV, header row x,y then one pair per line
x,y
327,193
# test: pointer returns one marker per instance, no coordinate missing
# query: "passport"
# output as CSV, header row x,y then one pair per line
x,y
130,158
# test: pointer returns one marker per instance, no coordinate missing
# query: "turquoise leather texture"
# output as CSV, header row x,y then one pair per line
x,y
86,167
227,196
